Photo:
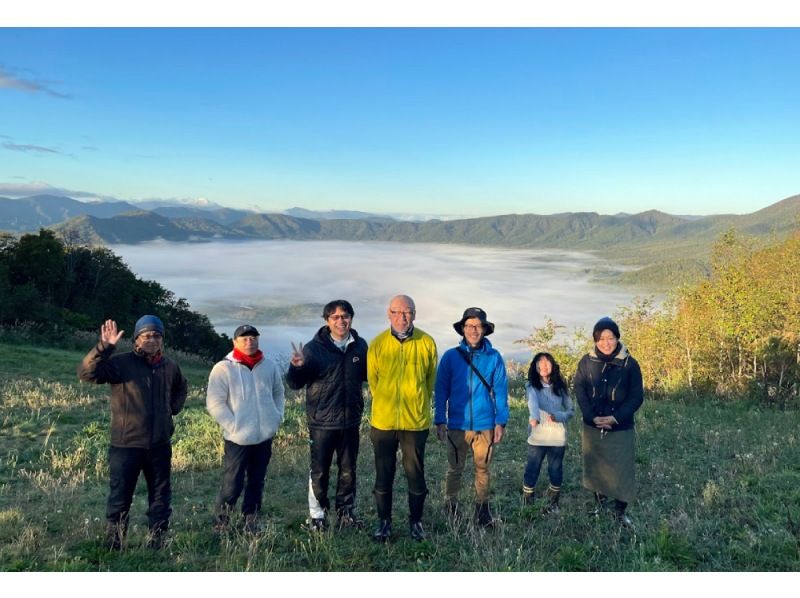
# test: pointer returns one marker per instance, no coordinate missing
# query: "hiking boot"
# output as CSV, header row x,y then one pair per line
x,y
620,516
251,524
553,494
599,505
416,531
452,511
528,497
348,518
317,525
483,517
383,532
623,520
115,535
156,538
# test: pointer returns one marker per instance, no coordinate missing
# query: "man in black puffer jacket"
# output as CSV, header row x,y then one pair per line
x,y
333,368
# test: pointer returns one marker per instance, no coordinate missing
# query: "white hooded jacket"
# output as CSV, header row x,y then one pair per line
x,y
247,404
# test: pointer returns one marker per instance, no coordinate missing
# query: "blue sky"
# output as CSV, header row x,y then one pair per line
x,y
437,121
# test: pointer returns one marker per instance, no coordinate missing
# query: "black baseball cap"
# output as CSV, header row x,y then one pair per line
x,y
245,330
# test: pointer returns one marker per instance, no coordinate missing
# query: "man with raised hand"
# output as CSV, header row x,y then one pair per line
x,y
401,368
245,396
333,368
471,409
147,390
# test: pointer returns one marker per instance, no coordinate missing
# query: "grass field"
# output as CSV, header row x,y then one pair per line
x,y
719,491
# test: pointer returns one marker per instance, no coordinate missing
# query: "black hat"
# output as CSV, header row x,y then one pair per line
x,y
605,323
474,312
245,330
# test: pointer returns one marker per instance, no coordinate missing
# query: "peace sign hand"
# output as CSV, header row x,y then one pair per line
x,y
109,333
297,359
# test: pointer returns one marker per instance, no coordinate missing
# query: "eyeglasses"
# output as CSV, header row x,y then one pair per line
x,y
473,326
397,312
338,317
150,336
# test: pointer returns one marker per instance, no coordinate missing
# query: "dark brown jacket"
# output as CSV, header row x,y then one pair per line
x,y
143,397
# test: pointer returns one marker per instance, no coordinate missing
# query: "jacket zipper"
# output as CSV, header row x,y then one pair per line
x,y
471,385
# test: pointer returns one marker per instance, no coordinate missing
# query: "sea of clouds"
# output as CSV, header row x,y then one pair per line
x,y
263,282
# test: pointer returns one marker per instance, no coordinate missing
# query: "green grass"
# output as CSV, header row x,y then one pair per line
x,y
719,491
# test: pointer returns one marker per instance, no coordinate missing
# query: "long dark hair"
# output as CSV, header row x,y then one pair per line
x,y
556,380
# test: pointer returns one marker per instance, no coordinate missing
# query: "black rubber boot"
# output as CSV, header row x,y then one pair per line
x,y
383,504
383,532
416,530
416,502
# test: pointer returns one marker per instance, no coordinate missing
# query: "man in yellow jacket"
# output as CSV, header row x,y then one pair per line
x,y
401,370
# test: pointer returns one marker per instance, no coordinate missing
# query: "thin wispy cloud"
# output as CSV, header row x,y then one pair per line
x,y
11,81
42,188
17,147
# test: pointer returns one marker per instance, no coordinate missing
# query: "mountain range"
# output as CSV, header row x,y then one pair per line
x,y
29,214
669,246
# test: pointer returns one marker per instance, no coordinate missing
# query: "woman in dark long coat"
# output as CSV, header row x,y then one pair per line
x,y
608,386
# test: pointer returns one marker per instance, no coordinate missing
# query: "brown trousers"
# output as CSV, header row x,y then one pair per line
x,y
458,442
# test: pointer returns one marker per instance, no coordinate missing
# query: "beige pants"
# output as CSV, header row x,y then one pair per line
x,y
458,442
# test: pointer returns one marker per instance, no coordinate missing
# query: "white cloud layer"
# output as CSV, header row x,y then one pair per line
x,y
517,288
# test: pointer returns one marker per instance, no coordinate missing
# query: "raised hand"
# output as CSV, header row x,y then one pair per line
x,y
297,359
109,333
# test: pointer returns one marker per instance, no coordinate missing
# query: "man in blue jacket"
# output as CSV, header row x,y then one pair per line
x,y
471,408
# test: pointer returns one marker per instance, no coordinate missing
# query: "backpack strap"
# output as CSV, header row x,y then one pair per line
x,y
488,386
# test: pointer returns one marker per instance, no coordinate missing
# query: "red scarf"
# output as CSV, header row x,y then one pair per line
x,y
249,360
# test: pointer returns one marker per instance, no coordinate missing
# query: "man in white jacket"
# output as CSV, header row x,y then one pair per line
x,y
245,397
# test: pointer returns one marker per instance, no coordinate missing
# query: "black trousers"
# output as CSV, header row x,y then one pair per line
x,y
412,447
124,466
324,444
243,468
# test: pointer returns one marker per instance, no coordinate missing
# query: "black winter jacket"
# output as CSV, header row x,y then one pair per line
x,y
143,397
334,380
609,388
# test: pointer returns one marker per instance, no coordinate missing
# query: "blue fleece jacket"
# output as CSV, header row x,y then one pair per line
x,y
462,400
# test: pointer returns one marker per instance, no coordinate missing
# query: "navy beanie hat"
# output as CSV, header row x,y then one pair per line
x,y
147,324
605,323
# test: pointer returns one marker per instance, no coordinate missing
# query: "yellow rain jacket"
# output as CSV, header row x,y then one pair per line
x,y
401,378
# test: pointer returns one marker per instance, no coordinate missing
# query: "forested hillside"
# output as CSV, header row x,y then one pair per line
x,y
53,286
733,335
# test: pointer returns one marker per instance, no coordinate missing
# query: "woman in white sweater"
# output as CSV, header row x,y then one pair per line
x,y
549,408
